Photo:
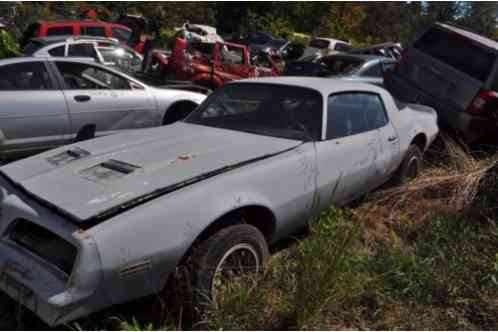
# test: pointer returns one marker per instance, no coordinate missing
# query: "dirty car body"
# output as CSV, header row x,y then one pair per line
x,y
288,146
48,102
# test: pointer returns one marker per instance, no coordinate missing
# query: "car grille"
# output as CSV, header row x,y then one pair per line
x,y
44,244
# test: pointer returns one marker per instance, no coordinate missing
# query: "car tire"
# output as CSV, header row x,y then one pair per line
x,y
411,166
241,244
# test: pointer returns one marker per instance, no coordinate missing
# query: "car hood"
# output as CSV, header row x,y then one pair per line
x,y
90,179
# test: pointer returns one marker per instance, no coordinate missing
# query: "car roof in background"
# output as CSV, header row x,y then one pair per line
x,y
325,86
468,34
372,47
92,22
361,57
57,39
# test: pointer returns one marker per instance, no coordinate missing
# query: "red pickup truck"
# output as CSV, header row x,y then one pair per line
x,y
210,65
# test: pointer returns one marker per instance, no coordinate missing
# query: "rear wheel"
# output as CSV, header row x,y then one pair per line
x,y
411,166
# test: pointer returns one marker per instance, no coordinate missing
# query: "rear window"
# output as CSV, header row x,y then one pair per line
x,y
319,43
60,31
457,52
44,244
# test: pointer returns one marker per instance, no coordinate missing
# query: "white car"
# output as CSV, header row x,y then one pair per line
x,y
319,47
48,102
105,221
106,51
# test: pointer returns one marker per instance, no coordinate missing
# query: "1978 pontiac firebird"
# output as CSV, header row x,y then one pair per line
x,y
106,221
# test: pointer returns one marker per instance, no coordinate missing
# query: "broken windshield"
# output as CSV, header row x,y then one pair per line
x,y
265,109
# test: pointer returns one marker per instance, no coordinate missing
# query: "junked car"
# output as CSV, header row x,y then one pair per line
x,y
352,67
455,72
106,51
48,102
257,160
320,46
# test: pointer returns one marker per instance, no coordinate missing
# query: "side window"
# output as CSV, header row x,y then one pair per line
x,y
24,76
93,31
82,50
373,71
231,55
354,113
60,31
57,51
81,76
342,47
121,34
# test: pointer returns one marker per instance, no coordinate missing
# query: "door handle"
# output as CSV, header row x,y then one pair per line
x,y
82,98
392,138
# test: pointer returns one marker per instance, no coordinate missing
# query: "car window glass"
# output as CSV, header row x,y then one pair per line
x,y
267,109
342,47
340,65
319,43
373,71
231,55
82,50
60,31
85,76
120,57
123,35
93,31
457,52
57,51
354,113
24,76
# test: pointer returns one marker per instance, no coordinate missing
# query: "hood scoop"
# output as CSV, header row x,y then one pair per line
x,y
68,156
108,171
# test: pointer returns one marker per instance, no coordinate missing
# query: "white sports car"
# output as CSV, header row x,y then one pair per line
x,y
105,221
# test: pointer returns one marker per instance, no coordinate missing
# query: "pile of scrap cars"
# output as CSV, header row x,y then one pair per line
x,y
104,215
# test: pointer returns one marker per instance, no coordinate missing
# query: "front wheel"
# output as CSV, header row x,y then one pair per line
x,y
411,166
229,253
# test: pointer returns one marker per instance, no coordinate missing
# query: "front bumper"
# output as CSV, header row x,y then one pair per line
x,y
34,283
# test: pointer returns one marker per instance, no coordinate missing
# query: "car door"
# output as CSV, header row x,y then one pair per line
x,y
347,157
232,62
33,112
105,100
377,118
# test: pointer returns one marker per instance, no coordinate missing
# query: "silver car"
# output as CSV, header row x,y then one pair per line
x,y
109,220
48,102
106,51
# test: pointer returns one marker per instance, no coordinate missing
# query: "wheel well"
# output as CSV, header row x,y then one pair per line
x,y
178,111
258,216
421,141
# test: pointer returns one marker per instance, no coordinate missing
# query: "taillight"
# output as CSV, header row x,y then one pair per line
x,y
478,106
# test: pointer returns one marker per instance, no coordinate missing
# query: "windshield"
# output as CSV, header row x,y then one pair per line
x,y
264,109
337,65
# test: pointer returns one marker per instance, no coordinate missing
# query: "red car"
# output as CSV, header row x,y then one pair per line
x,y
210,65
75,28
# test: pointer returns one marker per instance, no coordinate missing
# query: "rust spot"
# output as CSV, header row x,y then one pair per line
x,y
185,157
